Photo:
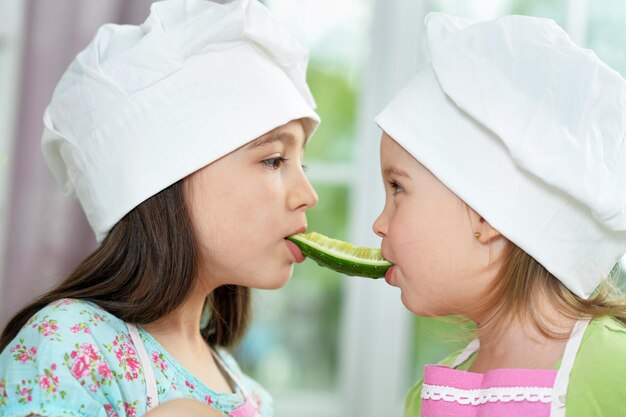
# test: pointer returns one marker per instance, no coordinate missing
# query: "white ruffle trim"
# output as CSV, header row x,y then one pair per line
x,y
486,395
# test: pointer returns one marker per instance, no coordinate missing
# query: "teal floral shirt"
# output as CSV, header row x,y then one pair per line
x,y
73,358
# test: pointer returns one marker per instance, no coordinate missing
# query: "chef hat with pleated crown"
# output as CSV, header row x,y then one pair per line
x,y
528,129
141,107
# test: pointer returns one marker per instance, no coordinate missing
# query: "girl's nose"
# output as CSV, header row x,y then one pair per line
x,y
380,225
303,195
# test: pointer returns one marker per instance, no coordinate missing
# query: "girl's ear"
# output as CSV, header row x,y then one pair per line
x,y
485,232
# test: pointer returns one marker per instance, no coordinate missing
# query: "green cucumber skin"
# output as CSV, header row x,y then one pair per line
x,y
341,265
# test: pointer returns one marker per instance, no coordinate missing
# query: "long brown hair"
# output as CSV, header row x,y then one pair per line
x,y
521,278
144,269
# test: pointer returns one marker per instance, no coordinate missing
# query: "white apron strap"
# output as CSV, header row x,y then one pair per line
x,y
230,373
557,406
469,351
148,372
248,408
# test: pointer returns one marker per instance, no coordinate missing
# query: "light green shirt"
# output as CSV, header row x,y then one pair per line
x,y
597,385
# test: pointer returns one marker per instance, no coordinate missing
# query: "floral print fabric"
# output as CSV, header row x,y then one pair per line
x,y
75,359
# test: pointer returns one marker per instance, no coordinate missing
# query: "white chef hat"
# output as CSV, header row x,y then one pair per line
x,y
144,106
530,131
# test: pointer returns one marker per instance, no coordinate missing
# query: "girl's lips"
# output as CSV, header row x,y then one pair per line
x,y
389,275
295,250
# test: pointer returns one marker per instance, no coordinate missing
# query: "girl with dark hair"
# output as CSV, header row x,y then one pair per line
x,y
182,138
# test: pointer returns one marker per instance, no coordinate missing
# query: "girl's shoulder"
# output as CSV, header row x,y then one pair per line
x,y
67,322
72,357
75,316
608,323
597,383
604,341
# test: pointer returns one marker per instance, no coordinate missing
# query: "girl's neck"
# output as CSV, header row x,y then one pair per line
x,y
519,343
179,334
182,324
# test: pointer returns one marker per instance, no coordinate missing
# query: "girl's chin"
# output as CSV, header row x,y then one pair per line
x,y
271,286
278,280
412,305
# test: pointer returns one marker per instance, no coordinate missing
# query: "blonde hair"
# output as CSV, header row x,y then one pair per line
x,y
521,278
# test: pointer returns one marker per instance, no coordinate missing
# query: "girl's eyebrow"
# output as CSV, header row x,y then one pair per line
x,y
271,137
391,171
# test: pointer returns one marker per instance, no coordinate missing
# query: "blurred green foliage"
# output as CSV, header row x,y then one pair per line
x,y
336,104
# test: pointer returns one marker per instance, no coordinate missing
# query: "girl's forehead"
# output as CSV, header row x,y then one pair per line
x,y
290,134
272,137
389,145
395,159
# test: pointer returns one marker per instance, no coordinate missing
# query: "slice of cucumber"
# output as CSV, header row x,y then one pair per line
x,y
342,256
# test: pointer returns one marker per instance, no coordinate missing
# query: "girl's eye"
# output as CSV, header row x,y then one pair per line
x,y
397,188
274,163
